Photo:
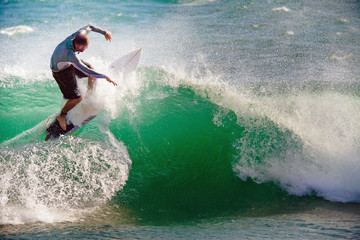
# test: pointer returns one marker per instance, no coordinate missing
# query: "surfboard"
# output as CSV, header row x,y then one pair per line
x,y
87,110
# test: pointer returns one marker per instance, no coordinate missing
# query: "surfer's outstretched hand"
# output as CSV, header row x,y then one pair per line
x,y
108,36
110,81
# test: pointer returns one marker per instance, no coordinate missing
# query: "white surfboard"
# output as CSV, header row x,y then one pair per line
x,y
127,63
87,110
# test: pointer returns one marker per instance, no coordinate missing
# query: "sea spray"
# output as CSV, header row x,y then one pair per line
x,y
327,124
58,180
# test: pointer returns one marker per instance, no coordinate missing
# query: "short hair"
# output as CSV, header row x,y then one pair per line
x,y
81,39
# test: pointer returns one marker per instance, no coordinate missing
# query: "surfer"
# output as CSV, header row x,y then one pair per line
x,y
65,66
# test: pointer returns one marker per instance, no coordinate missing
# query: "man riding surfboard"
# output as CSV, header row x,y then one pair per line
x,y
65,66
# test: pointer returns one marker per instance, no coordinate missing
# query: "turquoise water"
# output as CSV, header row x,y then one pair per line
x,y
241,122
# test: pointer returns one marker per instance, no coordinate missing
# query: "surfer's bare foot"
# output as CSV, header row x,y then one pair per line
x,y
62,122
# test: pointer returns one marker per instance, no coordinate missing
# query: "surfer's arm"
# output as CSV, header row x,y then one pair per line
x,y
110,81
88,28
87,71
72,58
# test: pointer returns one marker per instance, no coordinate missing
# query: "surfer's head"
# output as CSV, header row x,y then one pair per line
x,y
81,42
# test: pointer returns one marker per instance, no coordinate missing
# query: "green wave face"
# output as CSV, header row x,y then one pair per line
x,y
184,149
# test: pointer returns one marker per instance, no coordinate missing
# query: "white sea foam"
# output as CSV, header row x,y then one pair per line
x,y
22,29
325,161
284,9
196,2
60,180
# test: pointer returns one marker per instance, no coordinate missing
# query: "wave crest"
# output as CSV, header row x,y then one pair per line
x,y
11,31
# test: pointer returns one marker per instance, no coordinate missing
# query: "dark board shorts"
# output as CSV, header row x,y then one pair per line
x,y
66,79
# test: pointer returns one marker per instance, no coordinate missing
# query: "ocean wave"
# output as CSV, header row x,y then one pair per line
x,y
201,145
11,31
305,140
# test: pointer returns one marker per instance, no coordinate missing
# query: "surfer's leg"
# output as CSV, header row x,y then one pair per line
x,y
70,104
67,107
62,121
91,82
68,85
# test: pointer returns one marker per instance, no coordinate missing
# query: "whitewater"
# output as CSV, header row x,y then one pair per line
x,y
241,121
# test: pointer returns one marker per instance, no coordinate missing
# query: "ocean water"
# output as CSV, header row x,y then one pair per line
x,y
242,121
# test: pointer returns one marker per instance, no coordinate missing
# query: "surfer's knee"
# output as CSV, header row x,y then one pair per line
x,y
76,100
